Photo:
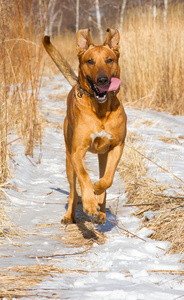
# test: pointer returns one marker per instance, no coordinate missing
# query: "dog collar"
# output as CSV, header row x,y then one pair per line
x,y
81,92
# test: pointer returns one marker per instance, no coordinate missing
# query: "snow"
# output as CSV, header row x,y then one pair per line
x,y
168,155
123,267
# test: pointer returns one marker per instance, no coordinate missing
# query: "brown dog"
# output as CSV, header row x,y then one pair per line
x,y
95,121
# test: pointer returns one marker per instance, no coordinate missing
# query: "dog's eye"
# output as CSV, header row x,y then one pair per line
x,y
109,60
90,62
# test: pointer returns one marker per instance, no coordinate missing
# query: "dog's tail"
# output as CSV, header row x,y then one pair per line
x,y
60,62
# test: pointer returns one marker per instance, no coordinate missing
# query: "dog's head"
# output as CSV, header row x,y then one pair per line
x,y
98,65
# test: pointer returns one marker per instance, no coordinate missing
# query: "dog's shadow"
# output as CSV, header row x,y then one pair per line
x,y
84,231
60,191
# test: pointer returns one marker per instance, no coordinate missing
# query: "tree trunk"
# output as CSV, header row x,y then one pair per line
x,y
60,22
154,11
98,17
165,11
50,21
123,5
77,15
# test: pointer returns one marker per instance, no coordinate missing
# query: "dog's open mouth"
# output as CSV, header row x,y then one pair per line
x,y
101,97
100,92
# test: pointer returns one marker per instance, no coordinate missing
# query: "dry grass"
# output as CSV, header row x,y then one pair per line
x,y
16,282
21,33
148,195
169,140
168,224
152,55
20,281
20,67
83,233
7,228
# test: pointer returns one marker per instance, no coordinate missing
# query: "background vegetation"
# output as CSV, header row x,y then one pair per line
x,y
152,55
20,70
152,46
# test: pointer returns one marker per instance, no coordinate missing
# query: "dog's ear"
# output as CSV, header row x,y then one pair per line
x,y
112,40
83,40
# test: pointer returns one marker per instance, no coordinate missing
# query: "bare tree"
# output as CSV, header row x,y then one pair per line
x,y
40,13
51,17
98,17
165,11
60,22
154,10
77,16
123,6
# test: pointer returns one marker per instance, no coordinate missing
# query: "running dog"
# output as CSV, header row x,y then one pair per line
x,y
95,120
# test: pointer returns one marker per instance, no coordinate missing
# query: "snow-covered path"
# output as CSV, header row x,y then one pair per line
x,y
124,267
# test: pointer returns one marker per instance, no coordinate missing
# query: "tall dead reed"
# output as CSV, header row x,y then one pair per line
x,y
21,30
152,55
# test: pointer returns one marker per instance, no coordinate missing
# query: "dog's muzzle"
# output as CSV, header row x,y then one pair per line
x,y
103,86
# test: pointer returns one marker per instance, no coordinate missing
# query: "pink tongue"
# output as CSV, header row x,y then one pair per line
x,y
113,86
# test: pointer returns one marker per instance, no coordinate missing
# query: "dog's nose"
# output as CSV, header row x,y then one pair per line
x,y
102,80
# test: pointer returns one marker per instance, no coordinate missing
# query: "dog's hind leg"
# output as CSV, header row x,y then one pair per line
x,y
101,217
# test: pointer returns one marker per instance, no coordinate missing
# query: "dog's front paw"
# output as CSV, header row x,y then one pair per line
x,y
100,219
67,220
90,206
99,187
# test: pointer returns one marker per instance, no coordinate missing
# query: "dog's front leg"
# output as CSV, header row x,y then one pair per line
x,y
106,181
90,205
101,217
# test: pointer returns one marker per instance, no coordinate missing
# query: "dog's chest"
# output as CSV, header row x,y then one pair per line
x,y
100,141
101,135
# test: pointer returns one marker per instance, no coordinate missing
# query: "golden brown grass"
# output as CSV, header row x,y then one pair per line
x,y
17,281
7,228
151,61
20,62
20,70
20,281
148,195
83,233
152,55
